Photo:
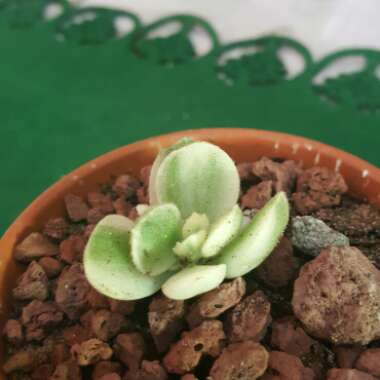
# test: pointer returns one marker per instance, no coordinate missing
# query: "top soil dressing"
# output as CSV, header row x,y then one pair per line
x,y
311,310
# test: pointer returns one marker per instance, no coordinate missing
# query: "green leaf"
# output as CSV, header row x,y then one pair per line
x,y
153,238
192,281
190,248
194,223
199,177
142,209
258,239
108,264
222,232
153,199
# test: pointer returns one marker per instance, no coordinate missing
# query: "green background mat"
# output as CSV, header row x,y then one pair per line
x,y
70,91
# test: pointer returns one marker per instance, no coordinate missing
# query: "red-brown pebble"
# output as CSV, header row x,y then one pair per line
x,y
346,356
72,248
130,349
33,247
369,361
279,269
340,279
13,332
216,302
51,266
101,202
290,337
243,361
76,207
348,374
91,352
206,339
282,366
166,320
257,196
249,319
106,367
56,228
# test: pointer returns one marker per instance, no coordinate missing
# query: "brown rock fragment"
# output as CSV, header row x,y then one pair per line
x,y
279,269
369,361
56,228
282,366
130,349
13,332
243,361
68,370
51,266
257,196
105,324
166,319
39,318
72,290
91,352
216,302
184,356
72,248
348,374
106,367
249,319
33,247
343,280
346,356
76,207
150,370
33,284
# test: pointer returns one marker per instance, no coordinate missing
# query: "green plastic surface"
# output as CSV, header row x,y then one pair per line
x,y
70,91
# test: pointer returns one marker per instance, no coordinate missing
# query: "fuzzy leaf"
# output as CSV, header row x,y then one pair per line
x,y
194,223
153,200
199,177
222,232
142,209
108,265
153,238
258,239
190,248
192,281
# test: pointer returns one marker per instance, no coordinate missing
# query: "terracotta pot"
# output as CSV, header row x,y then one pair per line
x,y
241,144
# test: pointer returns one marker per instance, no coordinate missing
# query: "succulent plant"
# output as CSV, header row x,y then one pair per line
x,y
191,236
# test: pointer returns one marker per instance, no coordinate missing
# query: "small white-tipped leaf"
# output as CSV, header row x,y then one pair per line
x,y
108,265
192,281
142,209
153,199
258,239
199,177
190,248
222,232
153,238
194,223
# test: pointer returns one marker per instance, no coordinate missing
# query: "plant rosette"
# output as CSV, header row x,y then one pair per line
x,y
190,237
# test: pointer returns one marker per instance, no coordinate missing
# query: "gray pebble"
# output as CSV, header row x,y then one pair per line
x,y
311,235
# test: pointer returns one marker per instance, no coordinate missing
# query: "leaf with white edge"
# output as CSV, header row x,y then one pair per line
x,y
142,209
258,239
153,238
224,230
108,264
192,281
194,223
199,177
190,248
153,200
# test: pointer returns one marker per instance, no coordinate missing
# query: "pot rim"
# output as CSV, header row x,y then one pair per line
x,y
158,141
